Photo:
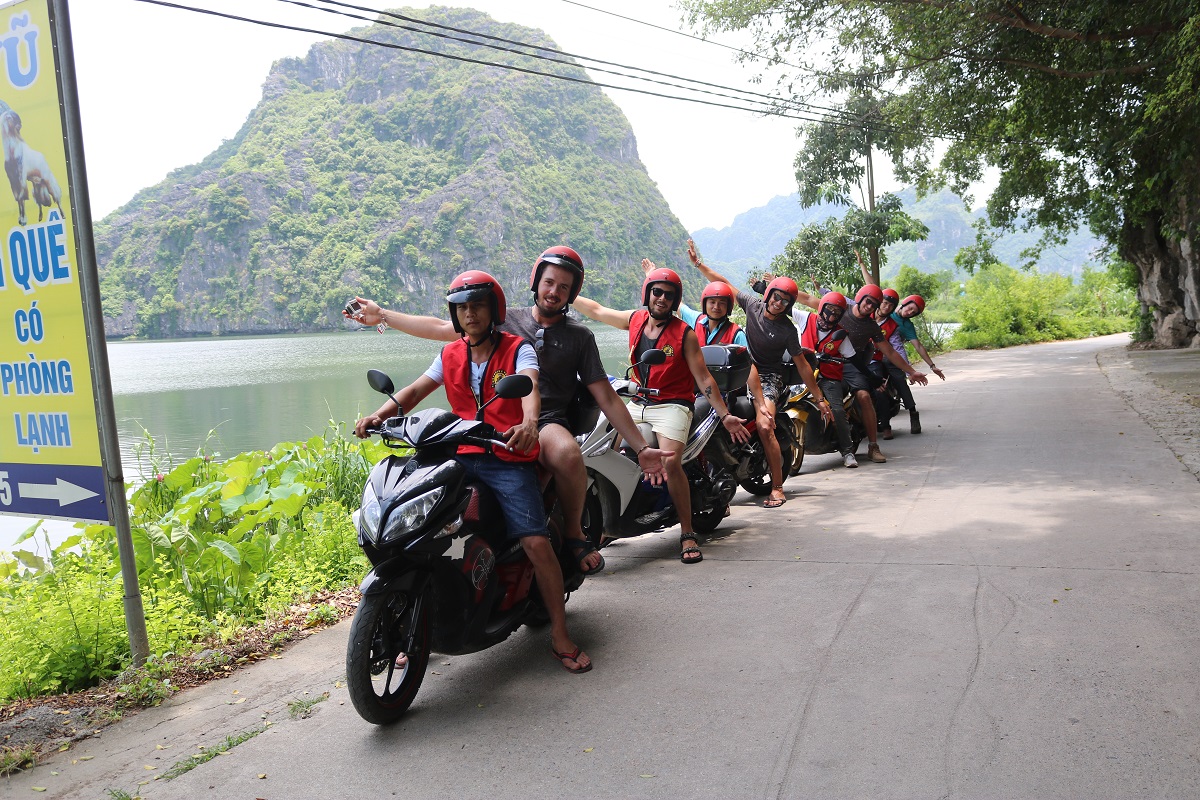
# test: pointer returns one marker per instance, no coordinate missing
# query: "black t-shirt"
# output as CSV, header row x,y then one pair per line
x,y
861,331
567,357
767,339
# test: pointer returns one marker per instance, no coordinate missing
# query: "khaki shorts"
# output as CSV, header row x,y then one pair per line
x,y
666,419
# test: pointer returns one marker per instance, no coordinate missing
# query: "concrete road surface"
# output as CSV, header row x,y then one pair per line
x,y
1006,609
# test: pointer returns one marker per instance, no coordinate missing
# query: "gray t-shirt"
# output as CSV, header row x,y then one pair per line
x,y
860,331
567,355
767,339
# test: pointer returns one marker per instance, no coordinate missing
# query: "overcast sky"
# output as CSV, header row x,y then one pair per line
x,y
160,88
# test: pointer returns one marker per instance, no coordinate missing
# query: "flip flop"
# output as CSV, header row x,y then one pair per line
x,y
581,549
687,551
563,658
774,502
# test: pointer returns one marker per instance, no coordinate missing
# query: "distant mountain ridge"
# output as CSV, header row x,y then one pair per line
x,y
384,172
758,235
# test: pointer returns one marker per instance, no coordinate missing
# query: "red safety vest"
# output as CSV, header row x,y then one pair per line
x,y
502,414
827,347
725,333
888,326
673,378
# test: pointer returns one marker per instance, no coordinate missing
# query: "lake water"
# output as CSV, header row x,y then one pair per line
x,y
230,395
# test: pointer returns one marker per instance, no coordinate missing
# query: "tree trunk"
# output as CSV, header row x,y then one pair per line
x,y
1169,282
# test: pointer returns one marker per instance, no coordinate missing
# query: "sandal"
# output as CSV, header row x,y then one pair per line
x,y
775,502
563,658
581,549
692,550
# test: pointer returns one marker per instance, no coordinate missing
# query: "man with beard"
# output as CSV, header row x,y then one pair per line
x,y
567,357
769,333
670,412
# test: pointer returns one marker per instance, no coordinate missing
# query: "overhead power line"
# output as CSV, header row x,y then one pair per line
x,y
768,111
772,100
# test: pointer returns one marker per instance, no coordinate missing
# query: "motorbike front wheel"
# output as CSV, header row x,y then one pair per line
x,y
386,626
758,481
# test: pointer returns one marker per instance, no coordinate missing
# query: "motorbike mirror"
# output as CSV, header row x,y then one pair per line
x,y
514,386
509,388
380,382
653,357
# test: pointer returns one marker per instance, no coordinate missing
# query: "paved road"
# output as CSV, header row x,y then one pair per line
x,y
1007,609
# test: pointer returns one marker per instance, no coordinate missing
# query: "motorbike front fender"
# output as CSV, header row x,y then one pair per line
x,y
391,575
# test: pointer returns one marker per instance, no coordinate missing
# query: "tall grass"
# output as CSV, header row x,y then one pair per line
x,y
217,544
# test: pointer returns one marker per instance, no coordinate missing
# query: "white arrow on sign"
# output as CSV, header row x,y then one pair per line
x,y
64,492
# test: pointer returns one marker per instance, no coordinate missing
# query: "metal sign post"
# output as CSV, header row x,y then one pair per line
x,y
59,454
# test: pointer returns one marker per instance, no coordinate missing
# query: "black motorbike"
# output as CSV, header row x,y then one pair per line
x,y
445,578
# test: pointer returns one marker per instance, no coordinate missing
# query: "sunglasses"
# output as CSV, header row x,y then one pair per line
x,y
657,292
539,340
869,301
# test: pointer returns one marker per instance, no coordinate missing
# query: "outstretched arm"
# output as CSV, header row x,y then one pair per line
x,y
865,272
705,270
891,355
609,316
916,343
422,327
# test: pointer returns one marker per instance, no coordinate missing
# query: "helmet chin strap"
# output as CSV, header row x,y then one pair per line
x,y
486,337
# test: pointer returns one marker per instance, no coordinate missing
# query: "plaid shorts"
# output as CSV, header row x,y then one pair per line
x,y
772,385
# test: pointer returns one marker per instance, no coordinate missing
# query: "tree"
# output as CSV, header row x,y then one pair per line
x,y
838,158
1085,107
825,250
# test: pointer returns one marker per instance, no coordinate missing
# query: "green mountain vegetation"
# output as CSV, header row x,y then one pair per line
x,y
758,235
379,171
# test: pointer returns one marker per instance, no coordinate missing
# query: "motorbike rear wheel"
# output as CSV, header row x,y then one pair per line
x,y
384,627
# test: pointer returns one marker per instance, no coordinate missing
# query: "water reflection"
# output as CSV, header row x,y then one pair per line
x,y
229,395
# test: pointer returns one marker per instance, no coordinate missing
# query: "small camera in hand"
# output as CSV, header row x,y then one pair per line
x,y
352,309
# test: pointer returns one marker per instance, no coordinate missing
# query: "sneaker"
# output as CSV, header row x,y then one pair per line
x,y
875,455
915,420
850,461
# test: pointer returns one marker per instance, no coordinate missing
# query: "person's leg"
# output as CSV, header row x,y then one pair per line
x,y
900,381
834,392
560,455
772,386
521,503
882,401
681,495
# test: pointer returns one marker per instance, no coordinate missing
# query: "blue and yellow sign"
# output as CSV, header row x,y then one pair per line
x,y
50,462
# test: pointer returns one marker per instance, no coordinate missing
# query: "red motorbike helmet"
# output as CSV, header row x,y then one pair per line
x,y
786,286
916,300
663,275
872,291
560,256
476,284
832,300
893,295
717,290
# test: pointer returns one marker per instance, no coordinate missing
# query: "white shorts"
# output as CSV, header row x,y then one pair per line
x,y
666,419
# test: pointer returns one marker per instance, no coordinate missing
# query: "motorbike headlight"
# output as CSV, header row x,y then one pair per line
x,y
369,513
411,513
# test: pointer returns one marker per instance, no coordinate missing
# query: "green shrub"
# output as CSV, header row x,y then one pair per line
x,y
218,547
